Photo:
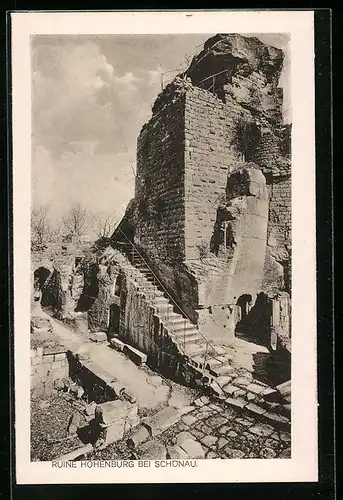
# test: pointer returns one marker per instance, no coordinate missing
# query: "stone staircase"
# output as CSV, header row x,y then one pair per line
x,y
235,385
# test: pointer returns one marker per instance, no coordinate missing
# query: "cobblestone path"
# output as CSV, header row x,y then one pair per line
x,y
209,431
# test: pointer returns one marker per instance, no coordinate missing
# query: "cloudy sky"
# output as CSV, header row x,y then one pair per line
x,y
90,97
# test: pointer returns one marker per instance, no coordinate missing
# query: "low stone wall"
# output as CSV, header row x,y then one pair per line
x,y
48,368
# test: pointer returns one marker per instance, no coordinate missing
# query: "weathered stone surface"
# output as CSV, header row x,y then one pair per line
x,y
114,410
74,422
261,429
177,452
189,419
209,441
98,337
138,437
192,448
161,420
117,344
135,355
233,453
153,450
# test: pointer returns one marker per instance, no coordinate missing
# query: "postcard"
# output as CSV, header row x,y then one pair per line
x,y
164,246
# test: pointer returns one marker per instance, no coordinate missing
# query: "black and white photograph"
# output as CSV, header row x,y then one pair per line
x,y
161,278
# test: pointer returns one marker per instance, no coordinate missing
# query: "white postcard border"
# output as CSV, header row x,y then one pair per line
x,y
300,25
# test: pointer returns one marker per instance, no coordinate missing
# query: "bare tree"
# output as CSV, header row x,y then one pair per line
x,y
76,221
40,225
104,224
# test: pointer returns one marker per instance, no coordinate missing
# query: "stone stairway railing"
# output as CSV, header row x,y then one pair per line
x,y
236,386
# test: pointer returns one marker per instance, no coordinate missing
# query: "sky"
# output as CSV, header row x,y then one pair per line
x,y
90,97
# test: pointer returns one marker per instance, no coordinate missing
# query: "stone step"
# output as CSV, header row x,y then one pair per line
x,y
188,336
192,349
224,369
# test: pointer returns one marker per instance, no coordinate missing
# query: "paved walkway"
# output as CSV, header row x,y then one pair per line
x,y
150,390
208,431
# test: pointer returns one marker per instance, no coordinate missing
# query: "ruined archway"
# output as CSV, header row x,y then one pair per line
x,y
40,278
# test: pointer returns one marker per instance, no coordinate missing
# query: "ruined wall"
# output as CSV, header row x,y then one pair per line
x,y
211,152
159,190
47,371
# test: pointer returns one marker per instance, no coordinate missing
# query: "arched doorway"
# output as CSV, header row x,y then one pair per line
x,y
40,276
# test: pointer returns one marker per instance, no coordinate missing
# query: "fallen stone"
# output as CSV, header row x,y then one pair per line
x,y
138,437
241,381
77,391
183,410
44,405
238,393
267,453
83,353
233,453
230,389
153,450
254,409
261,429
74,422
276,419
161,421
192,448
90,409
176,452
155,381
205,400
98,337
287,453
222,442
117,344
218,391
255,388
59,384
211,455
189,419
111,411
209,441
237,403
138,357
250,396
198,402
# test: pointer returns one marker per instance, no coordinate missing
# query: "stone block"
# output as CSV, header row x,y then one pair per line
x,y
111,411
153,450
61,356
83,353
176,452
233,453
161,421
209,441
138,437
138,357
189,420
192,448
255,388
98,337
117,344
236,403
255,410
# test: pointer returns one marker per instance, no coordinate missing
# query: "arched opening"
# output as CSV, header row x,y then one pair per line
x,y
113,319
40,276
118,285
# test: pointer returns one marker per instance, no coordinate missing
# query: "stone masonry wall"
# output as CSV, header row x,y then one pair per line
x,y
211,153
159,191
47,369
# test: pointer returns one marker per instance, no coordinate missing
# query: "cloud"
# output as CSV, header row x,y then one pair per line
x,y
77,96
